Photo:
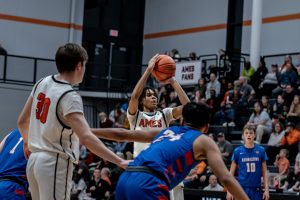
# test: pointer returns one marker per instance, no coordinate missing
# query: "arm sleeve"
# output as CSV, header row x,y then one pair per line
x,y
71,103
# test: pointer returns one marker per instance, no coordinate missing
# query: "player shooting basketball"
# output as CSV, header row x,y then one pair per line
x,y
171,155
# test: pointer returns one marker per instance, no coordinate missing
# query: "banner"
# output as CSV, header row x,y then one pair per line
x,y
188,73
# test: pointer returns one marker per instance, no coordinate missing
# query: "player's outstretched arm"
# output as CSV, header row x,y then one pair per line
x,y
23,124
206,147
80,126
177,111
138,89
120,134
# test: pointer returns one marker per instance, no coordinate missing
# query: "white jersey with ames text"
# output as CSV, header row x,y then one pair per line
x,y
53,99
145,120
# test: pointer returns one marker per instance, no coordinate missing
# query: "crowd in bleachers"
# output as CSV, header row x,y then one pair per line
x,y
269,100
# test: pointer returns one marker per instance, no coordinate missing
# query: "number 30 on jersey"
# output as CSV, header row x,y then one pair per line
x,y
42,107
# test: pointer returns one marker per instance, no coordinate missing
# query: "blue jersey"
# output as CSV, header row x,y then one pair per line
x,y
13,162
249,163
171,153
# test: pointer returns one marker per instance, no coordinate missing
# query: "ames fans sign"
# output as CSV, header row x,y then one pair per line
x,y
188,73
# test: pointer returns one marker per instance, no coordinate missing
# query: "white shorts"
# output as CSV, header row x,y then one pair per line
x,y
177,193
49,176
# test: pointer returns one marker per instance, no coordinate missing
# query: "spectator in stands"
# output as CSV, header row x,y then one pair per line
x,y
266,104
294,175
197,96
213,184
173,100
225,147
201,86
278,110
225,116
192,56
246,91
287,60
250,162
261,120
192,180
99,187
294,112
288,95
213,102
200,180
117,116
213,84
105,122
274,142
259,75
270,81
248,70
78,186
283,165
298,65
175,55
291,138
289,77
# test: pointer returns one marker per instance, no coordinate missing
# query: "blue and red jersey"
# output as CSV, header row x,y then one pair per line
x,y
170,153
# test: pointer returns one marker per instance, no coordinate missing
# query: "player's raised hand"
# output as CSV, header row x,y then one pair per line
x,y
152,62
169,81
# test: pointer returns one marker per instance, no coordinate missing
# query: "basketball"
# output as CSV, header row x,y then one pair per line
x,y
165,68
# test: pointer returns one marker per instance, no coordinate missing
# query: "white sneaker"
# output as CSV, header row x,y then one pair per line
x,y
225,124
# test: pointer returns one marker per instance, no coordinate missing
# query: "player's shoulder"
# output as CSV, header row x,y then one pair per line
x,y
259,148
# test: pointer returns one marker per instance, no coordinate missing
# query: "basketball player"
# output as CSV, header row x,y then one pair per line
x,y
146,98
171,155
54,121
13,182
250,160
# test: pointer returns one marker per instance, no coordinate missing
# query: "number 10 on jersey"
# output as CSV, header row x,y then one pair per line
x,y
42,107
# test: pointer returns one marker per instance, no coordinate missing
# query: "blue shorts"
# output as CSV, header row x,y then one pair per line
x,y
253,193
10,190
137,185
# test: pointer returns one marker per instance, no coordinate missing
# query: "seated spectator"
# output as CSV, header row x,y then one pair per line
x,y
288,95
213,184
261,120
278,111
78,186
294,113
225,147
294,176
266,104
283,164
197,96
274,142
259,75
213,84
104,122
175,55
291,138
201,86
99,187
289,77
192,180
248,70
213,102
225,116
270,81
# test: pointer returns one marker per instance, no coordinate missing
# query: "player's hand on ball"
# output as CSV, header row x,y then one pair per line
x,y
169,81
152,62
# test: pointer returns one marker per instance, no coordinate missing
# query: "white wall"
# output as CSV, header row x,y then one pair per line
x,y
278,37
170,15
36,40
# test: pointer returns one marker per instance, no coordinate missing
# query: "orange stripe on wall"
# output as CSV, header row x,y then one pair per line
x,y
220,26
40,22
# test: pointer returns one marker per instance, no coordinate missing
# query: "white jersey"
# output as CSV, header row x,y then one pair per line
x,y
145,120
53,99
